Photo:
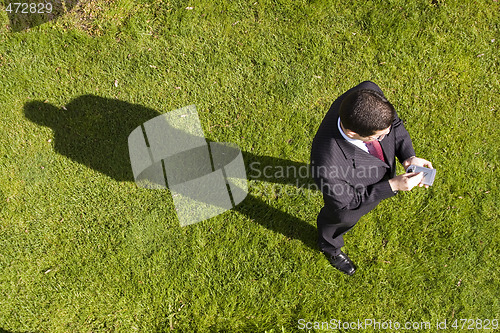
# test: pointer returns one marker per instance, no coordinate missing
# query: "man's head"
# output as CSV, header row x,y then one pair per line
x,y
366,113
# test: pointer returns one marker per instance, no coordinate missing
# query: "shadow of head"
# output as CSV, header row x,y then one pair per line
x,y
93,131
25,15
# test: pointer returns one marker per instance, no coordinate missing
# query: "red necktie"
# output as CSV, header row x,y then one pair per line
x,y
375,149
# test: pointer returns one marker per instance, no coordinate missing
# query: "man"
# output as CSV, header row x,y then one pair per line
x,y
353,163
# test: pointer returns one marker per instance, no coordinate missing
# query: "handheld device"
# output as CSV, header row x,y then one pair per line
x,y
429,174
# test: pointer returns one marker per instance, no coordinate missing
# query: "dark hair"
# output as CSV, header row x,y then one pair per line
x,y
366,111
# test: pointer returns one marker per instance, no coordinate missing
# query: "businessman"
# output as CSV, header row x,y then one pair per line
x,y
353,163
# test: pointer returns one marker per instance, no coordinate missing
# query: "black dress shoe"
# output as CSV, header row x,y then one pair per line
x,y
342,263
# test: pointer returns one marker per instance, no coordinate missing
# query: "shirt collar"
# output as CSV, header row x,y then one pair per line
x,y
356,142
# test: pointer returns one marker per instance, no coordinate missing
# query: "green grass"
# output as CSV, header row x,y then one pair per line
x,y
83,249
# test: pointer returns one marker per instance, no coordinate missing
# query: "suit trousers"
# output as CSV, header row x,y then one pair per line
x,y
333,223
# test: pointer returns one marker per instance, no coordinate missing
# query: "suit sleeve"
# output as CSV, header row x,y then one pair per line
x,y
403,145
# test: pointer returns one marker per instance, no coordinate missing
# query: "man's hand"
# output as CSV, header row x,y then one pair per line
x,y
406,181
417,161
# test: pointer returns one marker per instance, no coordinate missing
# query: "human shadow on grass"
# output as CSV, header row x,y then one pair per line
x,y
94,131
25,15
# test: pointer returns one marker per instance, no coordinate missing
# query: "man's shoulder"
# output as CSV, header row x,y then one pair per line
x,y
326,150
369,85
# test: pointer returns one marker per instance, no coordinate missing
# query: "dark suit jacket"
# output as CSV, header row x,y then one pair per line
x,y
352,181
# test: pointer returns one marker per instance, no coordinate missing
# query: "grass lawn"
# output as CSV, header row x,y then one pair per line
x,y
83,249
